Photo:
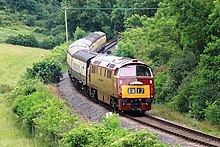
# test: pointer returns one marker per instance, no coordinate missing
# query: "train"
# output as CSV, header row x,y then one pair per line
x,y
124,84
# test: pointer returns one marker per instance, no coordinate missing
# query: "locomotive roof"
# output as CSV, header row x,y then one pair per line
x,y
84,55
113,62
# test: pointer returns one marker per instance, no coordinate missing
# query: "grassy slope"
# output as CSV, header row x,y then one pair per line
x,y
7,31
13,63
166,113
14,60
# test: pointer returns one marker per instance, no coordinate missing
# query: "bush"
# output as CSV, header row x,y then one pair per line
x,y
212,113
109,133
161,87
125,50
30,106
79,33
48,70
50,42
24,40
25,87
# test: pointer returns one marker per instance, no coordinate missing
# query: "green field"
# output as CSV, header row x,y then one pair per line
x,y
13,63
5,32
14,60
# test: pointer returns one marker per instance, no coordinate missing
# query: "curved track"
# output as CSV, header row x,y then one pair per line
x,y
166,126
177,130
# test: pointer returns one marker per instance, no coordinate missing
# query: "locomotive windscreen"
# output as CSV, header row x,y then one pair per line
x,y
135,70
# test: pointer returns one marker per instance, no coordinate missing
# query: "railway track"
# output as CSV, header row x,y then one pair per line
x,y
169,127
110,44
177,130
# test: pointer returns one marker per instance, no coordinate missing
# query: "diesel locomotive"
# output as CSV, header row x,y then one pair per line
x,y
124,84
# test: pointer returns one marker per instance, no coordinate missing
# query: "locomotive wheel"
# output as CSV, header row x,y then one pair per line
x,y
114,105
115,108
94,94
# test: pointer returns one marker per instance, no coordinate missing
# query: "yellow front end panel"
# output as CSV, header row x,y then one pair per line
x,y
135,91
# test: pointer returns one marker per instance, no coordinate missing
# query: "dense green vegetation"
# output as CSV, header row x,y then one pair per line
x,y
110,21
39,17
13,63
47,17
181,40
49,119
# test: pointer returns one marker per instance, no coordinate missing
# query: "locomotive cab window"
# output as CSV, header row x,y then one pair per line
x,y
135,70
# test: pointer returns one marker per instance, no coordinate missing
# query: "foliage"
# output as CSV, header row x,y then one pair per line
x,y
25,87
48,70
79,33
40,110
55,123
108,133
179,38
24,40
59,53
125,50
30,106
35,14
161,87
50,42
109,21
205,86
212,113
118,16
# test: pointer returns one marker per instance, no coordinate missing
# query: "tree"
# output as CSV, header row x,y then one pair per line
x,y
118,16
192,20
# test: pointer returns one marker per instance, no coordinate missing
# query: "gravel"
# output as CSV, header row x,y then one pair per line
x,y
92,112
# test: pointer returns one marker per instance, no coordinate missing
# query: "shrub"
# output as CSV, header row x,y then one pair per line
x,y
48,70
125,50
29,107
79,33
212,113
55,120
50,42
24,40
109,133
160,87
25,87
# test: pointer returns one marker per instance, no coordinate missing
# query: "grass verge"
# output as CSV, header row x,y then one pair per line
x,y
10,135
166,113
14,61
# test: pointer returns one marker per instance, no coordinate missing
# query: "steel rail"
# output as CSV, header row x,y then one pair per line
x,y
177,130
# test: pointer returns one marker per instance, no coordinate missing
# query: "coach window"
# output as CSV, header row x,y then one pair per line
x,y
109,74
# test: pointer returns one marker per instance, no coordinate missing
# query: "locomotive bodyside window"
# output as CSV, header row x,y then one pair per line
x,y
93,69
109,74
100,71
